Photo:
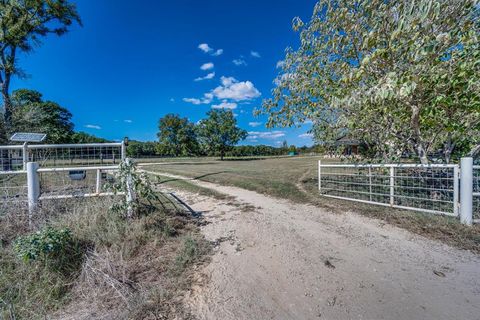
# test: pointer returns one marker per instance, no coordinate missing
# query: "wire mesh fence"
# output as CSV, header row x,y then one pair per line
x,y
476,192
61,155
430,188
56,183
13,190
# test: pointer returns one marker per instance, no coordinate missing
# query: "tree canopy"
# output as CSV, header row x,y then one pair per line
x,y
177,136
219,131
32,114
402,76
23,23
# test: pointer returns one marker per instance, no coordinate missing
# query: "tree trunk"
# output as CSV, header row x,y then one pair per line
x,y
222,154
448,149
419,146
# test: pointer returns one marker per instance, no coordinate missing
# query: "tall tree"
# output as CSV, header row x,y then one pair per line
x,y
22,25
32,114
399,75
177,135
219,131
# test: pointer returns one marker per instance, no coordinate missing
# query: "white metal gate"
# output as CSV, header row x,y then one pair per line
x,y
428,188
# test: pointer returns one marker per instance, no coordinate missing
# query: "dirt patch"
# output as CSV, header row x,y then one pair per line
x,y
282,260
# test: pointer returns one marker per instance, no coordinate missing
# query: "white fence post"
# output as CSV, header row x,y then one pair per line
x,y
392,186
33,187
319,175
466,191
25,156
98,185
130,191
123,151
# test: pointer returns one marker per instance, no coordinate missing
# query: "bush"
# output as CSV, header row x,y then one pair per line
x,y
56,249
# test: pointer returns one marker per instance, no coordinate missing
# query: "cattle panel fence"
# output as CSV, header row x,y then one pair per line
x,y
435,188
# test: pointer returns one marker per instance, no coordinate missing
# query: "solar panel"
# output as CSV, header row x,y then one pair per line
x,y
28,137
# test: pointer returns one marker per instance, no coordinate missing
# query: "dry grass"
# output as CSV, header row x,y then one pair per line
x,y
295,178
130,269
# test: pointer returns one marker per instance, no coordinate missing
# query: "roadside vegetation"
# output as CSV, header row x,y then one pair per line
x,y
85,258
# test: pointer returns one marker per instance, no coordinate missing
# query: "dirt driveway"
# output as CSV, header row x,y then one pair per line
x,y
280,260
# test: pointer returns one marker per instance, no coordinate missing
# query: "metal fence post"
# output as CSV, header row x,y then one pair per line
x,y
130,196
456,190
98,185
33,187
466,191
319,175
392,186
25,156
123,151
370,181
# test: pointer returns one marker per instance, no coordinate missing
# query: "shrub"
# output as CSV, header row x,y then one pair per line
x,y
55,249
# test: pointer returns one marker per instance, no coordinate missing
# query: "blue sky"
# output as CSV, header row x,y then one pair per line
x,y
132,62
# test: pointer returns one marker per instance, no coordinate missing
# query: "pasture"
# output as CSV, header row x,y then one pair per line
x,y
295,179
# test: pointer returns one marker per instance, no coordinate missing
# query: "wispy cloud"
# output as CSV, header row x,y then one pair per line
x,y
239,62
207,66
93,126
254,124
236,90
207,49
211,75
128,121
207,98
306,135
217,53
172,100
271,135
225,105
255,54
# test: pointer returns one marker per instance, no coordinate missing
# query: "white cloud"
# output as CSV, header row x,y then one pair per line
x,y
211,75
207,66
207,98
128,121
217,53
306,135
254,124
204,47
172,100
192,100
272,135
231,88
93,126
225,105
239,62
207,49
255,54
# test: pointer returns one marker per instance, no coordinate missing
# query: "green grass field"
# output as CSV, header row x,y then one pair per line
x,y
295,179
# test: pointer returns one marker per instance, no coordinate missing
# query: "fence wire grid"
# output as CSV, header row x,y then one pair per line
x,y
78,182
61,155
423,188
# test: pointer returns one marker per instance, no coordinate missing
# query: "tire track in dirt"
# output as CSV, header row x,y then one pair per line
x,y
275,259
